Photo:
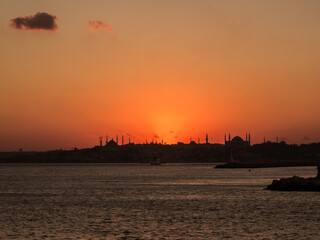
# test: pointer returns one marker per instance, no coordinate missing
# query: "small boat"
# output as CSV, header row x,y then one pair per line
x,y
156,161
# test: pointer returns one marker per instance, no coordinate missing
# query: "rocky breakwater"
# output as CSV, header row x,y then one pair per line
x,y
296,183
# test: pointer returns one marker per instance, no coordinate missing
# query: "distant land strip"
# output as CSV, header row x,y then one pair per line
x,y
235,155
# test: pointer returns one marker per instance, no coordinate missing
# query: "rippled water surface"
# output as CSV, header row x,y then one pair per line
x,y
177,201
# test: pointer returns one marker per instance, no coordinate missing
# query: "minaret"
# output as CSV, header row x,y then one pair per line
x,y
249,140
207,139
122,140
225,138
100,141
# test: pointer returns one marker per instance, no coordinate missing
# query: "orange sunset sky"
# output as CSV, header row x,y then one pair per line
x,y
158,68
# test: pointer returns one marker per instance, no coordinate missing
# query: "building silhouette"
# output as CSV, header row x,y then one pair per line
x,y
235,146
237,142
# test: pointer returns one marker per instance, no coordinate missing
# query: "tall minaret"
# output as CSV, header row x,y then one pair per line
x,y
207,139
122,140
225,138
100,141
249,139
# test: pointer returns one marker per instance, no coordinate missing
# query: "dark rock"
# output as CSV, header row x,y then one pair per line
x,y
295,184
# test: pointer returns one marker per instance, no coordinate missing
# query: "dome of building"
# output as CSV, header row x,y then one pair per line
x,y
237,139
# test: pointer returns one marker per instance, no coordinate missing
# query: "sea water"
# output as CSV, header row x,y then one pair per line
x,y
140,201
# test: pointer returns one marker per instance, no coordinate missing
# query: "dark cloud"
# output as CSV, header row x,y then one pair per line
x,y
40,21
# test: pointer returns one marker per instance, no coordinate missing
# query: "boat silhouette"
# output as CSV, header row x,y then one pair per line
x,y
156,161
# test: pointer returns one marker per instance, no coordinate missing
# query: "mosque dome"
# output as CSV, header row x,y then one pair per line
x,y
237,139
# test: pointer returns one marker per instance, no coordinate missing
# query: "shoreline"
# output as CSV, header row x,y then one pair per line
x,y
268,164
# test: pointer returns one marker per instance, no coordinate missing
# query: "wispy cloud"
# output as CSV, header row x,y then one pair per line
x,y
99,26
38,22
234,21
213,6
